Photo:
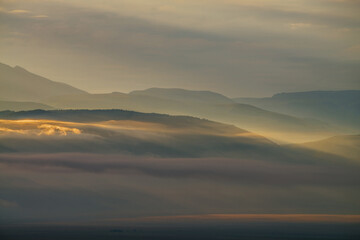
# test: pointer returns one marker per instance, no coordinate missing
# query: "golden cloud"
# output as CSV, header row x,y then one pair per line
x,y
49,129
38,127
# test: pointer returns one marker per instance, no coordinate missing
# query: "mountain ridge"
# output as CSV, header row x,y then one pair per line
x,y
337,107
18,84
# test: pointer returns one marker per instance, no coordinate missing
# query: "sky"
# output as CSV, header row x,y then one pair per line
x,y
238,48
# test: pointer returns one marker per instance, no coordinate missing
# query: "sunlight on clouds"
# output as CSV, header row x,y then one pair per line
x,y
38,127
19,11
49,129
9,130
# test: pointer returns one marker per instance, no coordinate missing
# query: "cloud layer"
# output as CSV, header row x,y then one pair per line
x,y
240,170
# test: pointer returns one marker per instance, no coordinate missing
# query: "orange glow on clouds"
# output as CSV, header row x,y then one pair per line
x,y
38,127
62,128
49,129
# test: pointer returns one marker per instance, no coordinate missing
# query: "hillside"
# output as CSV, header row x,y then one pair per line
x,y
134,133
117,131
17,84
346,146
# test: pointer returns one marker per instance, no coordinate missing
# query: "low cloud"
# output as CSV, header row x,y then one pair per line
x,y
36,127
48,129
245,171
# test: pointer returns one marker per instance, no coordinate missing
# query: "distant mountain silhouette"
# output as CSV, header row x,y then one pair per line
x,y
17,84
22,106
201,104
339,107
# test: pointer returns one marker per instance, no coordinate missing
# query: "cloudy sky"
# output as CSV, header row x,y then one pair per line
x,y
235,47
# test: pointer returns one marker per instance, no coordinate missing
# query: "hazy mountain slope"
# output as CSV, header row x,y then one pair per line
x,y
17,84
22,106
126,132
90,116
213,106
340,107
347,146
116,131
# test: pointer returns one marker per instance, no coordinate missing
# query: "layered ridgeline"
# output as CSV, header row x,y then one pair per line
x,y
18,84
338,107
203,104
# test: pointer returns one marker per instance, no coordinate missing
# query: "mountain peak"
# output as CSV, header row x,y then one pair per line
x,y
18,84
18,68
